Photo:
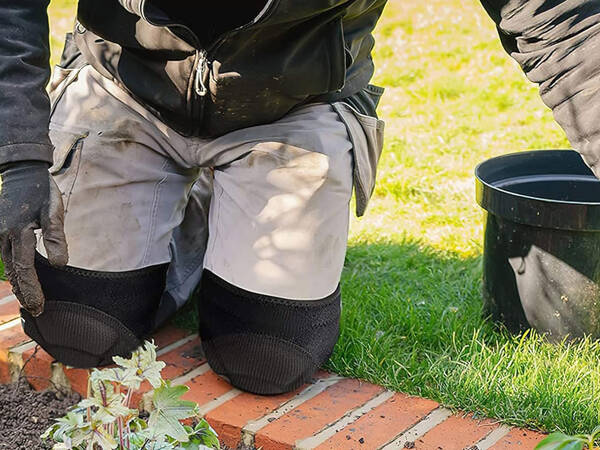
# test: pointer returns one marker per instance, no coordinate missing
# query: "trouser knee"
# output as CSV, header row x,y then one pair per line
x,y
261,344
91,316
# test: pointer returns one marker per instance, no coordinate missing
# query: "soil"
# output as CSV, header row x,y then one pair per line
x,y
25,414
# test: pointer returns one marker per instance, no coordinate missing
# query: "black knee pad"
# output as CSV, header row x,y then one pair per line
x,y
261,344
91,316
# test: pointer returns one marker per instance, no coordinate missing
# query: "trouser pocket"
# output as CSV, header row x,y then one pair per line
x,y
366,134
66,159
60,80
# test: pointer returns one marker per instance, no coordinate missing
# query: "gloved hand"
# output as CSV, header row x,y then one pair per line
x,y
29,199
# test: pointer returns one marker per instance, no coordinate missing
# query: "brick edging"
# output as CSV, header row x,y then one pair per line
x,y
331,412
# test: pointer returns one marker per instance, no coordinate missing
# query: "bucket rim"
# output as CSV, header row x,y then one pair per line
x,y
528,197
536,211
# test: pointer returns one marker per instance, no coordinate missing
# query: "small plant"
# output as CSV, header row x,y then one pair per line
x,y
105,420
561,441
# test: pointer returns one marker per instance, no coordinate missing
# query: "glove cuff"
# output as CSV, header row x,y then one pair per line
x,y
34,164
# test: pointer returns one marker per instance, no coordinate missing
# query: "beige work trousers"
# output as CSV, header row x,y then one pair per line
x,y
266,208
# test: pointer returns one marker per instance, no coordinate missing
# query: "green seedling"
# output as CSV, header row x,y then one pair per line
x,y
561,441
105,420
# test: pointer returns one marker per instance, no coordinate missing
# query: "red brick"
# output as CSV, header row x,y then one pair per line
x,y
13,336
519,438
37,368
9,337
78,379
229,418
5,289
206,387
381,424
182,359
9,311
168,335
313,415
455,433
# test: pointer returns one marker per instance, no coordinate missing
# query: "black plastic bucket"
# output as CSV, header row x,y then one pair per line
x,y
541,261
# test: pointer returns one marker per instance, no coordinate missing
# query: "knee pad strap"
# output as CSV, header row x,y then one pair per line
x,y
262,344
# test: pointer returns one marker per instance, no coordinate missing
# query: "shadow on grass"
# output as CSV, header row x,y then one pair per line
x,y
412,321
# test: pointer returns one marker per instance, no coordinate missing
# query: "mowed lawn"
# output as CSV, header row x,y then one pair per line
x,y
412,317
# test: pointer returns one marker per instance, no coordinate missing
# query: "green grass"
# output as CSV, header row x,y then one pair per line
x,y
412,317
412,321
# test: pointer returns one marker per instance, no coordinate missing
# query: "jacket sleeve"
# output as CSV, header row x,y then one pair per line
x,y
557,43
24,73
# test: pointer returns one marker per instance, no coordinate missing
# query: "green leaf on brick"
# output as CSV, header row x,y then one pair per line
x,y
169,409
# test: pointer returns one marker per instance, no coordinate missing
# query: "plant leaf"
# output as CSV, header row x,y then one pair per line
x,y
124,376
137,424
97,435
169,409
80,436
160,446
64,427
202,437
595,433
143,360
572,445
205,435
561,441
154,440
193,446
106,403
136,440
107,412
50,431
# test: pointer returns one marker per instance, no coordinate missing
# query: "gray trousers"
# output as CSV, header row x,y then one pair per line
x,y
265,208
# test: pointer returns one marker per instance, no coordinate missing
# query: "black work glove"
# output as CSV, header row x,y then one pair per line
x,y
29,200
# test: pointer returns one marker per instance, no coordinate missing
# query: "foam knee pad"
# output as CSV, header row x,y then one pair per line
x,y
91,316
261,344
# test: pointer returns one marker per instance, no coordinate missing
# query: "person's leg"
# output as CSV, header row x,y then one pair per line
x,y
125,181
270,298
187,247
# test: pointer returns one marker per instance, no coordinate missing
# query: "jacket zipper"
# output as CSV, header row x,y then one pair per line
x,y
201,71
200,90
203,62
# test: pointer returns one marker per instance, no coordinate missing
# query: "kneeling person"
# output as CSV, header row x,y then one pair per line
x,y
191,158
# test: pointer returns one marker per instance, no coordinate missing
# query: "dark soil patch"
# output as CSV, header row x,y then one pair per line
x,y
25,414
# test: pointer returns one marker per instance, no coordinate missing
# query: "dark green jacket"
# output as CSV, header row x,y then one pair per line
x,y
291,52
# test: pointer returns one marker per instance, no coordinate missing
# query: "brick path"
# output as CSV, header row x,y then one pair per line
x,y
331,412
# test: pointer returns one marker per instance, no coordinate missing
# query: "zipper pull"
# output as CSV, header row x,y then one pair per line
x,y
199,86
